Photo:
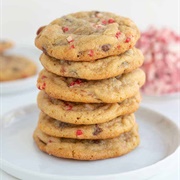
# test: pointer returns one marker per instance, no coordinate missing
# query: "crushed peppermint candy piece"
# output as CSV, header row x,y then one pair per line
x,y
43,77
69,39
128,39
68,106
72,46
111,21
76,82
65,29
162,65
104,22
118,34
42,87
98,26
79,132
91,53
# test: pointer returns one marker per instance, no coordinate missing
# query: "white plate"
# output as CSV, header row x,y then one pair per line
x,y
26,83
22,159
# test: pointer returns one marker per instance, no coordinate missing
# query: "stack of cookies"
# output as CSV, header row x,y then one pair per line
x,y
89,86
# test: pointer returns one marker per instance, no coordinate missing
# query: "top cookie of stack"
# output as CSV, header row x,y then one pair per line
x,y
87,36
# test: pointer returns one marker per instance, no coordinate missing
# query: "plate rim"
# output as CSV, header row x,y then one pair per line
x,y
5,165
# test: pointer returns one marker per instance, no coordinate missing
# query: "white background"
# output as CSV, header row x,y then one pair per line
x,y
20,20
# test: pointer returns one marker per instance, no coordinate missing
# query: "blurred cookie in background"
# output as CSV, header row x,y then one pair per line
x,y
5,44
162,61
14,67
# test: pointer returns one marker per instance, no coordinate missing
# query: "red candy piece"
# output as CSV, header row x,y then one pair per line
x,y
111,21
128,39
162,66
79,132
72,46
43,77
118,34
65,29
76,82
42,87
104,22
68,106
91,53
70,39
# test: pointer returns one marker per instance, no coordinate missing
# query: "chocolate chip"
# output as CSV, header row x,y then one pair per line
x,y
63,125
106,47
40,29
50,99
96,12
97,130
96,141
79,53
44,51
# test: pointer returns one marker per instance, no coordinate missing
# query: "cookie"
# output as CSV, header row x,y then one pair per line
x,y
16,67
86,36
106,130
95,70
87,149
77,90
4,45
82,113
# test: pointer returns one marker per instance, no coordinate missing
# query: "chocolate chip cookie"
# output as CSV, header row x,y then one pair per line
x,y
110,129
16,67
109,90
87,36
87,149
84,113
95,70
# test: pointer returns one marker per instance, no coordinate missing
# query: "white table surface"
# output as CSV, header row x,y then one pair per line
x,y
168,107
